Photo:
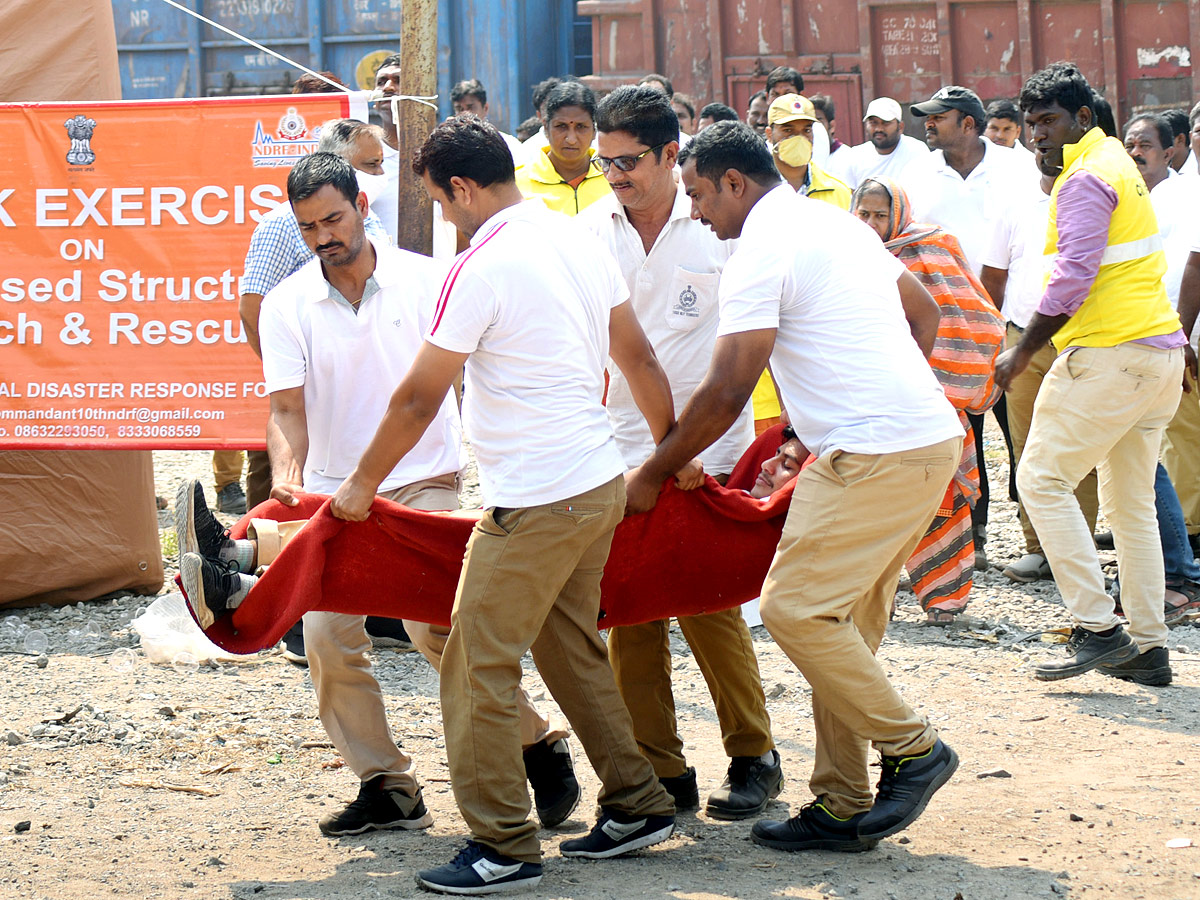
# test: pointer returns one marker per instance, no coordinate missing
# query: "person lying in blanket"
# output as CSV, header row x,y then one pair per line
x,y
219,569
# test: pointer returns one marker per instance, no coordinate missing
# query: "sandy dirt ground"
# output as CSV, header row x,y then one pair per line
x,y
119,778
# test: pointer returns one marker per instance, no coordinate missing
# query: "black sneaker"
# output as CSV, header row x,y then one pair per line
x,y
904,790
1087,650
748,787
551,774
615,834
683,790
813,828
207,587
385,632
375,809
1152,668
196,528
293,646
480,870
231,499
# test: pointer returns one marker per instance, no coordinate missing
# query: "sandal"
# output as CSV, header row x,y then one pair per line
x,y
1175,613
942,617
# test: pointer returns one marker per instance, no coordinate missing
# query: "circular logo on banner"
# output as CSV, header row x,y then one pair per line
x,y
364,72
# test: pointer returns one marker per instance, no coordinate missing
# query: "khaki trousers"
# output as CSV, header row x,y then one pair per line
x,y
1021,396
227,467
641,661
827,598
258,477
1103,408
531,580
349,701
1181,455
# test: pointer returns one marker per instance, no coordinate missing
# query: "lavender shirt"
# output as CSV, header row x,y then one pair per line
x,y
1085,207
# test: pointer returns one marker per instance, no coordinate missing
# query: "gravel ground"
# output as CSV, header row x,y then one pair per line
x,y
123,778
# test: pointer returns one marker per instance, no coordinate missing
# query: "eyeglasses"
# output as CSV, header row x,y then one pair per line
x,y
624,163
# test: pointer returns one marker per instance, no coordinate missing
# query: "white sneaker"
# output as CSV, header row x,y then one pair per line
x,y
1030,567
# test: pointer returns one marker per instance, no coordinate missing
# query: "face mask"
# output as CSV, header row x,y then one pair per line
x,y
371,185
795,151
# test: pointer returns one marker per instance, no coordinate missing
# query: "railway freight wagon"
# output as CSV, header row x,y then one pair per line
x,y
508,44
1137,53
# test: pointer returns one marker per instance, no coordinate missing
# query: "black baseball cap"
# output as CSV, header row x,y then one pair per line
x,y
953,96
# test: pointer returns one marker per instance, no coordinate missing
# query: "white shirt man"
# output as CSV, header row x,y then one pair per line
x,y
886,153
1175,200
1018,245
347,359
966,207
674,294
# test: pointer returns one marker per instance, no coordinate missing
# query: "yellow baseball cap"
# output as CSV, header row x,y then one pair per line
x,y
791,108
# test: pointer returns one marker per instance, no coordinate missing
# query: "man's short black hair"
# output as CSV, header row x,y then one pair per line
x,y
730,145
659,79
641,111
528,128
686,102
719,112
1178,120
472,87
393,60
1060,83
317,170
785,73
467,147
824,103
542,89
1002,109
757,95
1104,116
572,93
1165,137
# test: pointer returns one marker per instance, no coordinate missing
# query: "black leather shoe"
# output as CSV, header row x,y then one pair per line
x,y
1087,650
683,790
551,774
1152,667
749,785
904,790
813,828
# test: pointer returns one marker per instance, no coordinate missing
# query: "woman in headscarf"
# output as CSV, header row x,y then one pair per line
x,y
970,334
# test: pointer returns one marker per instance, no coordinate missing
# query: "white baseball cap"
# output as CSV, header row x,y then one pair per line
x,y
884,108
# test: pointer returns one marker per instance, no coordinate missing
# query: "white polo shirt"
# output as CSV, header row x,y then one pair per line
x,y
966,207
348,364
1018,244
673,289
530,301
1175,200
850,373
854,165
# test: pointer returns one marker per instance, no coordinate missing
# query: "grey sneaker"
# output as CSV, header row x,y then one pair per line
x,y
1030,567
376,809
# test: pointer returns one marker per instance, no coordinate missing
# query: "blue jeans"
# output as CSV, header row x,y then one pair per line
x,y
1178,560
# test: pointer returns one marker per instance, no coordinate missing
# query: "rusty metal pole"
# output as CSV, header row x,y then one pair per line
x,y
418,67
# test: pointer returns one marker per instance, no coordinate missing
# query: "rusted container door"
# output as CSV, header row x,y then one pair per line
x,y
1137,52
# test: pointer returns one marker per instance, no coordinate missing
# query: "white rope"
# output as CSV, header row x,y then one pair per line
x,y
374,96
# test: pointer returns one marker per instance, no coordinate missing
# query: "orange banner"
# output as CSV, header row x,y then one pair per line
x,y
123,233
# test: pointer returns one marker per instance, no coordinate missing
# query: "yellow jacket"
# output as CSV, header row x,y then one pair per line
x,y
1127,300
823,186
538,178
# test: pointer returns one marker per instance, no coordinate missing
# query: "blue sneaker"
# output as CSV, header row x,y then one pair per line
x,y
615,834
480,870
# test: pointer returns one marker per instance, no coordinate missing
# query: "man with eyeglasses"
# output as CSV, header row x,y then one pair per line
x,y
671,265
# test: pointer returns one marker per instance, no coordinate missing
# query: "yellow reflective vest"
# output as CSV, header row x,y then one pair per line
x,y
1127,300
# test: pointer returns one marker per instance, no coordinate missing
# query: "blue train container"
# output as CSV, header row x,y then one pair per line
x,y
507,44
